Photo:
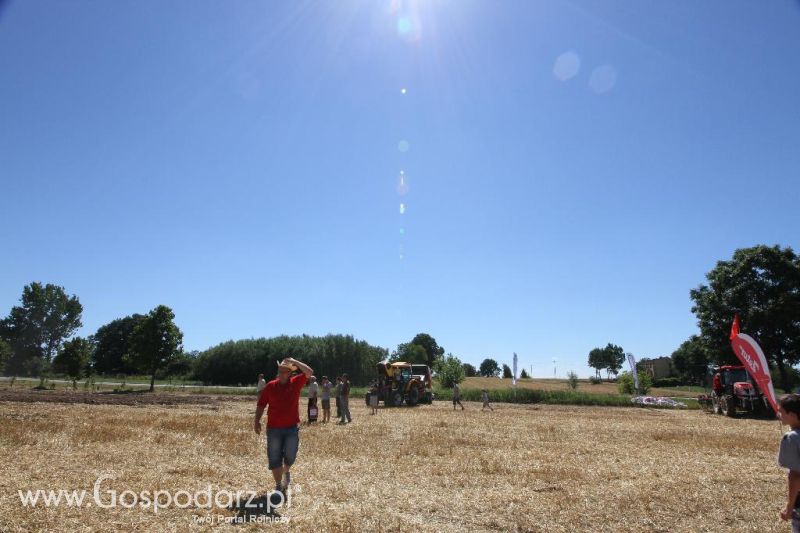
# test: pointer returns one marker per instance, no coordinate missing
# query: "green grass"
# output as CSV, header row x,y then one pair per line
x,y
555,397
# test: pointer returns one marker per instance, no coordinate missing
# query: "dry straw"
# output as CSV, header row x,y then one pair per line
x,y
519,468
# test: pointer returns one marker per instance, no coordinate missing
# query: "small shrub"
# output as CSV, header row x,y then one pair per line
x,y
594,380
572,380
668,382
626,386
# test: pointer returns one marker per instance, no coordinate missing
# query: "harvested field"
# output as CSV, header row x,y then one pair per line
x,y
132,398
519,468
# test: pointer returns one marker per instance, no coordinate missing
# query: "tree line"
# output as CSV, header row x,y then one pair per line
x,y
762,285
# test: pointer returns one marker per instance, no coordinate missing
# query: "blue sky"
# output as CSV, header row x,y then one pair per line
x,y
573,168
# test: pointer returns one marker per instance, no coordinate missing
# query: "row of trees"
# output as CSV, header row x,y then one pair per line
x,y
611,358
239,362
33,338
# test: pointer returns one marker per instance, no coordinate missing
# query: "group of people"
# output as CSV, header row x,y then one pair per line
x,y
320,393
282,396
281,400
457,399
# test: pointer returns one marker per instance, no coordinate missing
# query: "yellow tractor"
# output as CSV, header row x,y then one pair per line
x,y
399,382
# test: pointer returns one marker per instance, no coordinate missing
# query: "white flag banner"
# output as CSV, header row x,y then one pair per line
x,y
632,362
514,374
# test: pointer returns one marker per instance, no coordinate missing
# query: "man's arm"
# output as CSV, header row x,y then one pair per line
x,y
263,400
304,368
257,422
793,480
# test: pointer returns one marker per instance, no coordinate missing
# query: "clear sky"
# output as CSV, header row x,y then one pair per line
x,y
571,168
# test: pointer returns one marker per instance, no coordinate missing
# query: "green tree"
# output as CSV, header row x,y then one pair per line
x,y
112,343
523,374
449,371
470,371
489,368
73,358
156,341
182,365
762,285
432,349
37,327
234,362
597,360
410,353
5,354
507,372
626,385
614,357
691,360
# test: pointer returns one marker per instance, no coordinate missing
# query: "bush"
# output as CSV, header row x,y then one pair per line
x,y
507,372
594,380
626,386
572,380
523,374
668,382
469,370
449,371
530,396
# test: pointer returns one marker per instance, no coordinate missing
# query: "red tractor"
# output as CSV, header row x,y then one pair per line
x,y
732,392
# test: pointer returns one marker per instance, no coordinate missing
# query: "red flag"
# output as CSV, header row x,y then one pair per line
x,y
752,357
735,326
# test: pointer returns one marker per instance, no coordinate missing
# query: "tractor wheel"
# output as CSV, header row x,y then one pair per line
x,y
728,406
397,398
366,399
413,397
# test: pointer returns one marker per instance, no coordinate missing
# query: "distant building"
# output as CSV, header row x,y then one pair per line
x,y
659,368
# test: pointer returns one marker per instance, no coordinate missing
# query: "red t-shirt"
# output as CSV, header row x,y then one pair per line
x,y
283,401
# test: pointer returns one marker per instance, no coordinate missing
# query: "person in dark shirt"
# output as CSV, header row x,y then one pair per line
x,y
345,401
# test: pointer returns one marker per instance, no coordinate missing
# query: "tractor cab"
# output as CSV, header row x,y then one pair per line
x,y
733,391
398,382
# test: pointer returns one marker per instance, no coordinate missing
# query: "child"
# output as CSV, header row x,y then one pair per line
x,y
313,392
373,401
326,400
789,457
485,399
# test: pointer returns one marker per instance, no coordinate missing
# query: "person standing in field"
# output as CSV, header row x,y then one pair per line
x,y
338,396
485,400
373,401
326,400
282,395
261,383
457,397
345,400
313,392
789,457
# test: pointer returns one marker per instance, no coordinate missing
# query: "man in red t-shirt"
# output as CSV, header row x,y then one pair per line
x,y
282,394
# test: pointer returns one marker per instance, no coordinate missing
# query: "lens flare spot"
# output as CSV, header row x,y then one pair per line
x,y
603,79
403,90
402,185
402,209
403,26
402,231
403,146
567,66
